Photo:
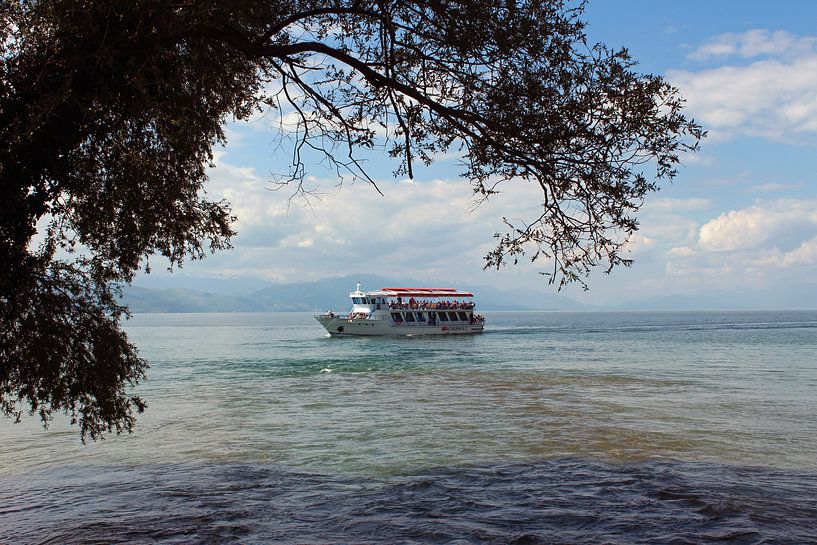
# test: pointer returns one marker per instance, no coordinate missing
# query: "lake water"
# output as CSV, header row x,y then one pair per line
x,y
548,428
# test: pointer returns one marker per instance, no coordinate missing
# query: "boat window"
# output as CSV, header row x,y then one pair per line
x,y
452,316
420,317
463,316
409,316
395,316
442,316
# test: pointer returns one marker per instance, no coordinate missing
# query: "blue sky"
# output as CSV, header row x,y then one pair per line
x,y
741,216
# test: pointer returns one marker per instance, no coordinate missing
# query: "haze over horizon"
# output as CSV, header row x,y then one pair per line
x,y
740,219
182,293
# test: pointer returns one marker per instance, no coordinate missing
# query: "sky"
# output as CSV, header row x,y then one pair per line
x,y
740,218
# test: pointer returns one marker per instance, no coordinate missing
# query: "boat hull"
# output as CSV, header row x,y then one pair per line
x,y
339,327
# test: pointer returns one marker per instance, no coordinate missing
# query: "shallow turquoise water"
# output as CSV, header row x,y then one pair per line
x,y
562,395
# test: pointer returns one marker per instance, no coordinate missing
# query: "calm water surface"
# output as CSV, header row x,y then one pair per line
x,y
548,428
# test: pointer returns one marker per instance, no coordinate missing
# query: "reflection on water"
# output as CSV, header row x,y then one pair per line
x,y
547,428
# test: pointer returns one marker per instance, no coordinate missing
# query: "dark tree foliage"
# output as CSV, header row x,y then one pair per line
x,y
109,112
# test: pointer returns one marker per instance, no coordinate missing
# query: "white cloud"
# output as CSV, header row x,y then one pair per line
x,y
416,229
680,251
424,230
755,43
639,245
772,225
774,96
753,248
805,254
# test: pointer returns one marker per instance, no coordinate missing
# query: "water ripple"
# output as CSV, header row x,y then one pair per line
x,y
553,501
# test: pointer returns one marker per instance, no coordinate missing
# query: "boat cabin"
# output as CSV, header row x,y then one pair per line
x,y
422,306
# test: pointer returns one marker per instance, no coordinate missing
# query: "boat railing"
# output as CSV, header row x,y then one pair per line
x,y
443,305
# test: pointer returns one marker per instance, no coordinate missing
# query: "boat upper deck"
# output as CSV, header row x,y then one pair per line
x,y
430,293
414,299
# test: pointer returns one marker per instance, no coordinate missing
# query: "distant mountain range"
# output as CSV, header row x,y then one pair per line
x,y
728,300
191,294
180,293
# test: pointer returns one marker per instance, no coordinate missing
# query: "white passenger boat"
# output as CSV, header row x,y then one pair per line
x,y
406,311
